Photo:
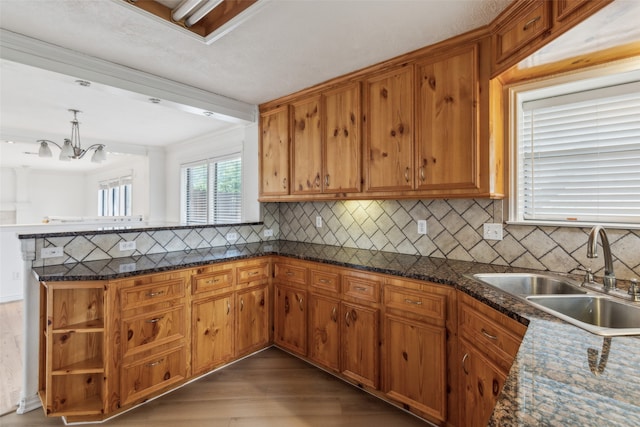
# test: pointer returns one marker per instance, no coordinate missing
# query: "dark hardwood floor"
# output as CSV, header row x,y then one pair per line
x,y
268,389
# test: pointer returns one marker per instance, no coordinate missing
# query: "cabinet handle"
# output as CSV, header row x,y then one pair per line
x,y
464,360
253,273
152,364
317,180
212,281
154,294
488,335
326,180
334,315
422,176
360,288
241,304
155,319
324,281
530,23
406,174
346,319
289,273
286,305
300,301
284,183
228,308
410,301
354,315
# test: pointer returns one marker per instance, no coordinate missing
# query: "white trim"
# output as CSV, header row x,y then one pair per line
x,y
28,404
578,224
36,53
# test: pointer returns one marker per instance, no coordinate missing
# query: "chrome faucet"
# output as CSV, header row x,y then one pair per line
x,y
609,280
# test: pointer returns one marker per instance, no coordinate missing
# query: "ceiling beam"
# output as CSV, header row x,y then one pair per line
x,y
36,53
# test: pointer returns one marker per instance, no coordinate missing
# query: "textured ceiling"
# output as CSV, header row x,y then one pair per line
x,y
287,46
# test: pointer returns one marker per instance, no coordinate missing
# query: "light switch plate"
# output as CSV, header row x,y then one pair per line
x,y
492,231
127,246
422,226
268,232
318,221
51,252
232,237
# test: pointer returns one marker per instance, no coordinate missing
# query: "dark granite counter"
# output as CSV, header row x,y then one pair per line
x,y
562,375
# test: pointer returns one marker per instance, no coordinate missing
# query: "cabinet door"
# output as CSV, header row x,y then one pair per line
x,y
415,365
446,122
389,130
290,313
481,383
274,152
342,148
360,343
252,330
324,331
212,332
306,147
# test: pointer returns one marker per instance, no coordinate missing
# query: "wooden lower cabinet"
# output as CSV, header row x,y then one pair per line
x,y
252,325
324,331
360,343
415,365
213,329
481,384
290,319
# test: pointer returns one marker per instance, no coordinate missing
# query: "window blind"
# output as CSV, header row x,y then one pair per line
x,y
579,156
196,180
227,192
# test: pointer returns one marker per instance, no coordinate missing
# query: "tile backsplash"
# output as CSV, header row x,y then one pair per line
x,y
454,231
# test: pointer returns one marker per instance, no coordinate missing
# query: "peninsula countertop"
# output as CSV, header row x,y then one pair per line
x,y
562,375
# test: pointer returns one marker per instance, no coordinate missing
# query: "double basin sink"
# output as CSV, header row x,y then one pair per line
x,y
566,300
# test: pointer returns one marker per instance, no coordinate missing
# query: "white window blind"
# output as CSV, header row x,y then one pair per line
x,y
115,197
579,156
212,191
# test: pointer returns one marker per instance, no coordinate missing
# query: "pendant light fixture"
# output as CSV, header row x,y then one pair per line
x,y
71,148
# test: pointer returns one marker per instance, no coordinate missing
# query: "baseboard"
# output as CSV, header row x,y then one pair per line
x,y
11,298
28,404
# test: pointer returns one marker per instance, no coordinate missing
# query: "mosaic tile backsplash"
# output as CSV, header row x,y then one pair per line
x,y
454,231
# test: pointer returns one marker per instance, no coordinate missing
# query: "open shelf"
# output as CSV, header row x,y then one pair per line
x,y
96,325
74,395
91,366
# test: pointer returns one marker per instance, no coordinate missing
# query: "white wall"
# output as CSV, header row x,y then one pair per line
x,y
48,193
240,139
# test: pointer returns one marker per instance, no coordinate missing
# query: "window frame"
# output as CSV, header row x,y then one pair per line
x,y
517,93
121,188
211,163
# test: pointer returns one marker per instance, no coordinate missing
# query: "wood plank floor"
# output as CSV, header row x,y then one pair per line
x,y
10,355
268,389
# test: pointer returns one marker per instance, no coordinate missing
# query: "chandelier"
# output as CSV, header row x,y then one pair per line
x,y
71,149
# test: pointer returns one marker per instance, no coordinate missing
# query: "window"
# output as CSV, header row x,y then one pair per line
x,y
577,152
114,197
212,191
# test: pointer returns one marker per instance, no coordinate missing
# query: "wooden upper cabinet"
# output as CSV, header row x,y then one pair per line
x,y
343,146
446,121
520,28
274,152
306,146
389,130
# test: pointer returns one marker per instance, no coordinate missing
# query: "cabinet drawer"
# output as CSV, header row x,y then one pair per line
x,y
253,273
325,281
362,289
530,24
291,274
497,342
152,374
152,293
215,281
150,329
434,306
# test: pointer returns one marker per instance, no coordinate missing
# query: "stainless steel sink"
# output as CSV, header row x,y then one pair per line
x,y
525,284
597,314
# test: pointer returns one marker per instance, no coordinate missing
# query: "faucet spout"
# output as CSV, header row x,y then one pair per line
x,y
592,252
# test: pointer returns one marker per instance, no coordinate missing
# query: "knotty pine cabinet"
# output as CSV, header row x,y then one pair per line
x,y
253,315
213,331
489,341
306,146
388,130
324,331
73,351
290,319
273,152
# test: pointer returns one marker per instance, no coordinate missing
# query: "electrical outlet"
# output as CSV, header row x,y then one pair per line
x,y
127,268
492,231
232,237
422,226
268,232
318,221
51,252
127,246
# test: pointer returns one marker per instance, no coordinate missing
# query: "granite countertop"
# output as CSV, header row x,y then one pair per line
x,y
560,377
